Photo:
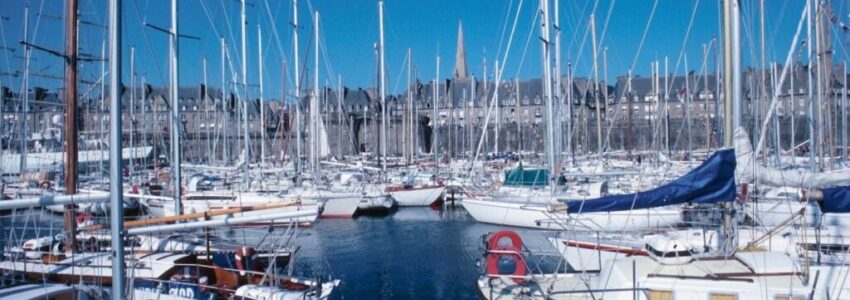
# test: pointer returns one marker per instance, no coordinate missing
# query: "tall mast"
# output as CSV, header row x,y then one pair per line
x,y
557,27
498,107
547,87
731,79
115,180
409,130
315,150
70,119
25,92
596,85
382,86
297,94
175,109
262,104
224,100
245,137
434,121
206,99
569,141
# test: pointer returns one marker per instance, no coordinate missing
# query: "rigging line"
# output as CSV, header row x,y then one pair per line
x,y
500,72
277,40
147,41
682,49
400,74
509,8
6,53
608,19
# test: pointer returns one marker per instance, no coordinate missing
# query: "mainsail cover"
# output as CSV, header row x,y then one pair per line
x,y
713,181
836,200
750,171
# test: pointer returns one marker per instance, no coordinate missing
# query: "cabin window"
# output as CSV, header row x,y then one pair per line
x,y
660,295
720,296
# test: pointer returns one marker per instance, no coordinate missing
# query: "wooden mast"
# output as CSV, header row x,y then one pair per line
x,y
70,118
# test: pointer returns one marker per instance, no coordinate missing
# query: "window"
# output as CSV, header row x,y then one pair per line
x,y
660,295
790,297
719,296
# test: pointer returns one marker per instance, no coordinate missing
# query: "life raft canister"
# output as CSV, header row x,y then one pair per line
x,y
496,252
244,259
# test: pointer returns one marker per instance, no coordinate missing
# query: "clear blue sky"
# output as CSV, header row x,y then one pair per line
x,y
350,30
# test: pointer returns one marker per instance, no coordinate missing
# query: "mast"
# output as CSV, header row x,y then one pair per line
x,y
382,86
70,119
498,107
556,25
224,100
314,102
297,77
570,112
844,148
262,104
207,110
245,134
596,85
115,180
547,88
731,79
409,148
25,92
175,110
434,122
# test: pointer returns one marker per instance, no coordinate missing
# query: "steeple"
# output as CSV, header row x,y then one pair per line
x,y
460,55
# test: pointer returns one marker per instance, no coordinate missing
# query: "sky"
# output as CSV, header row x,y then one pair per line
x,y
634,32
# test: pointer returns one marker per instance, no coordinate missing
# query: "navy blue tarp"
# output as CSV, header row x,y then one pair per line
x,y
836,200
713,181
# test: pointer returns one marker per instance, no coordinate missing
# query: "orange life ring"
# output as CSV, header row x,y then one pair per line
x,y
516,241
244,258
493,262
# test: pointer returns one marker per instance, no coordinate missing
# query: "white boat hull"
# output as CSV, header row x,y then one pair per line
x,y
539,216
418,196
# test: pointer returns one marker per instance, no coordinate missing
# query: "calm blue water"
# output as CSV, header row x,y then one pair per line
x,y
414,253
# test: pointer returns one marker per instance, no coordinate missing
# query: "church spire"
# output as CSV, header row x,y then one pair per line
x,y
460,55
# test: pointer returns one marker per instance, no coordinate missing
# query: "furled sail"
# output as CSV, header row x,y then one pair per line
x,y
749,171
324,147
711,182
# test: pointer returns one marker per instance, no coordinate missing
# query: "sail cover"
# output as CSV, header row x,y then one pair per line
x,y
750,171
713,181
836,200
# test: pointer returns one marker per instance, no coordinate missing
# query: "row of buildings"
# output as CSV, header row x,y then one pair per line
x,y
638,113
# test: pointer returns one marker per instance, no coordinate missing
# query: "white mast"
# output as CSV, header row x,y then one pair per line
x,y
596,85
315,147
297,77
25,93
224,100
434,122
244,98
115,180
382,86
547,87
557,27
132,108
175,109
206,100
408,149
262,104
498,106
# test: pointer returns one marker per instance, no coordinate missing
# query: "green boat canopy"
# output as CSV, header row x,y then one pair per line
x,y
526,177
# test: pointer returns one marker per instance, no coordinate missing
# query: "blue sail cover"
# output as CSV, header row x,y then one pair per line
x,y
713,181
836,200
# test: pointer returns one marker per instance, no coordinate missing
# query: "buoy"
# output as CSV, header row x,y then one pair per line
x,y
493,262
516,241
244,259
